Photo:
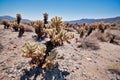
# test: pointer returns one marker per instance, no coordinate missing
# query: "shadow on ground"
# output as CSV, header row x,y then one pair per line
x,y
53,74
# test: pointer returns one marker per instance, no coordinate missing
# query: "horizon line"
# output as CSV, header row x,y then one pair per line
x,y
66,20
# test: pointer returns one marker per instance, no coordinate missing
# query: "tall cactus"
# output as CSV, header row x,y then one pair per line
x,y
18,16
45,18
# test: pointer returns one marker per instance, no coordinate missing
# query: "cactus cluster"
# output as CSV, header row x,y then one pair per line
x,y
38,55
86,29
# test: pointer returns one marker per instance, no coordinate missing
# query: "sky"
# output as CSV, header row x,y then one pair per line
x,y
67,9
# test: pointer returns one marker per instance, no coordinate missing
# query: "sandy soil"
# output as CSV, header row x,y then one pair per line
x,y
73,63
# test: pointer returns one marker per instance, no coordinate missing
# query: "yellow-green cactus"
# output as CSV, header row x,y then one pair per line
x,y
33,50
39,56
57,23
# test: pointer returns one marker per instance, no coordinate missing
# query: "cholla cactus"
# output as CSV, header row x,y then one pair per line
x,y
57,34
39,29
101,27
21,31
58,39
15,26
39,56
57,23
45,18
89,31
49,61
81,32
18,18
34,51
5,23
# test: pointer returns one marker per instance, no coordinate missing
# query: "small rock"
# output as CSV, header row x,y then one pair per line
x,y
14,47
80,63
76,67
60,57
9,70
19,66
89,59
11,42
12,75
94,52
72,70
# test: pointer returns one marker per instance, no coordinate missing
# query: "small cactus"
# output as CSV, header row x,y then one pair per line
x,y
39,29
101,27
15,26
21,31
82,32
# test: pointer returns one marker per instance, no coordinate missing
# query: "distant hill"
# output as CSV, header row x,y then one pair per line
x,y
106,20
9,18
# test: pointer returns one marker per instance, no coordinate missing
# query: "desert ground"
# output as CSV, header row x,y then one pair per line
x,y
73,62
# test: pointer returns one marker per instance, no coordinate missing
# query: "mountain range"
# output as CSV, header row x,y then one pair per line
x,y
106,20
9,18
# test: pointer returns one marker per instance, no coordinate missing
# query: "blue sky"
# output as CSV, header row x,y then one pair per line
x,y
67,9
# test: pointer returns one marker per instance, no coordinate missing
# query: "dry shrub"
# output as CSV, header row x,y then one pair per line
x,y
104,37
5,23
29,28
89,44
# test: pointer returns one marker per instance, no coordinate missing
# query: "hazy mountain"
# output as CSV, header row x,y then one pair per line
x,y
106,20
9,18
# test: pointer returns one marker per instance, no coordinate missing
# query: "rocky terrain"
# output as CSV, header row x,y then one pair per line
x,y
73,63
